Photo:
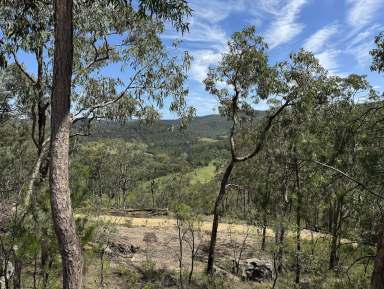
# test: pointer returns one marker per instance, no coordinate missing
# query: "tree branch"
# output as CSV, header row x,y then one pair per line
x,y
263,135
20,66
105,103
96,58
350,178
33,131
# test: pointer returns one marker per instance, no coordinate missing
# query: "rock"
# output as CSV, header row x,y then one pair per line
x,y
121,249
10,270
256,270
224,273
2,282
108,251
220,272
9,274
133,249
168,280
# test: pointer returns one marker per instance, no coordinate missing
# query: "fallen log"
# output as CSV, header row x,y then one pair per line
x,y
124,212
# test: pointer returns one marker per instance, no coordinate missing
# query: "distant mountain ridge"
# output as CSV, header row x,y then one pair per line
x,y
210,126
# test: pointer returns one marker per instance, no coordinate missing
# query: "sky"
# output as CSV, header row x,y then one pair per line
x,y
340,33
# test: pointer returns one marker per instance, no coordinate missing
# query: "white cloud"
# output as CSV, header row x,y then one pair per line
x,y
211,36
206,103
361,53
285,26
328,59
214,11
202,60
362,12
318,40
359,44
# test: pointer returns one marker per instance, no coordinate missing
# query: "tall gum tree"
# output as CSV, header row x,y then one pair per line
x,y
151,75
377,281
243,77
154,77
62,215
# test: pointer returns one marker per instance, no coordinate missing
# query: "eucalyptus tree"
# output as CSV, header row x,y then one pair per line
x,y
105,33
154,77
6,107
26,28
378,270
244,76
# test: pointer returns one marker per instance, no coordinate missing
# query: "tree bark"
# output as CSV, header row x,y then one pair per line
x,y
377,281
46,260
17,273
216,212
228,172
336,225
264,231
298,223
62,215
280,250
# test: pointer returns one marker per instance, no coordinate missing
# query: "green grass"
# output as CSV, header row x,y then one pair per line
x,y
200,175
203,174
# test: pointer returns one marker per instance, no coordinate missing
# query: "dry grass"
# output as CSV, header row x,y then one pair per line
x,y
162,222
164,252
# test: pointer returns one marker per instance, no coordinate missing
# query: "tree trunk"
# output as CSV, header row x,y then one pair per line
x,y
153,193
377,281
264,231
336,224
215,223
193,255
298,225
18,265
46,261
62,215
280,250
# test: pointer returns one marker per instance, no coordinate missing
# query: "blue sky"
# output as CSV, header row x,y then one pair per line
x,y
340,33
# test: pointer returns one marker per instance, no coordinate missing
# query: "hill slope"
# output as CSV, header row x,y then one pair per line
x,y
211,126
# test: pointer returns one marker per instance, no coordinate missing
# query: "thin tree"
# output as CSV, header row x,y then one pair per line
x,y
377,281
244,75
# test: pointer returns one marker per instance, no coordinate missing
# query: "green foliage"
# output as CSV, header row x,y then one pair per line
x,y
130,277
149,271
245,71
212,282
378,53
356,281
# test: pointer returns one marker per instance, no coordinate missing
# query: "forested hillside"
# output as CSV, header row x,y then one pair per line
x,y
211,126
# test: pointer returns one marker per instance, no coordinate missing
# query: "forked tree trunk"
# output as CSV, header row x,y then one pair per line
x,y
216,212
63,220
377,281
227,174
